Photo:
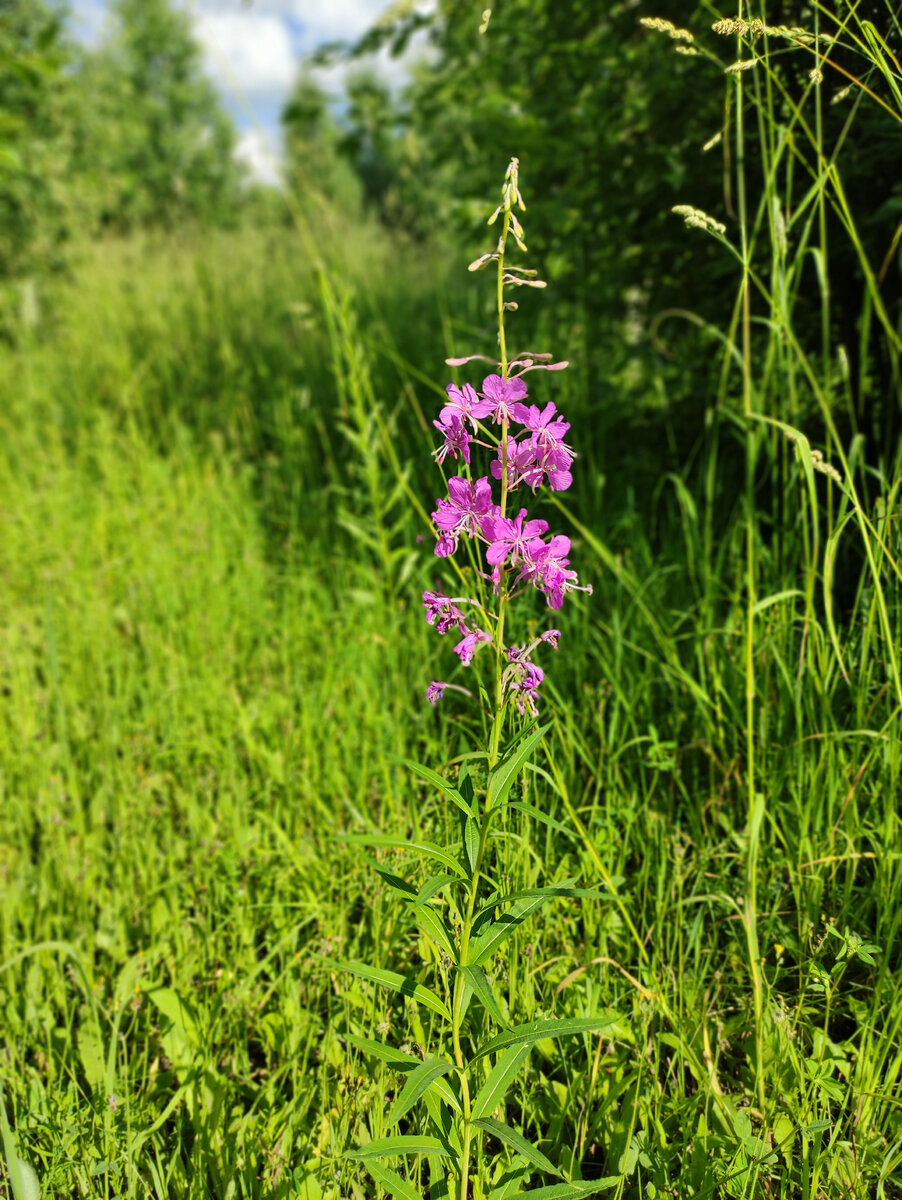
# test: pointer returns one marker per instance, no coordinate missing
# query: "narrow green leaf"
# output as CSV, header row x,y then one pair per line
x,y
505,1189
555,891
534,1031
417,1082
407,890
502,778
431,777
380,1050
392,1182
500,930
403,1144
395,982
501,1076
433,884
538,815
432,924
403,1062
471,841
476,978
439,853
570,1191
517,1142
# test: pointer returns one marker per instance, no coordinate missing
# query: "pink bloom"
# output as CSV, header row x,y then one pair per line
x,y
457,440
464,404
435,691
462,512
502,393
472,640
522,466
442,612
511,537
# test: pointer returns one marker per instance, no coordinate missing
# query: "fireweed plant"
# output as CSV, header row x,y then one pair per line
x,y
459,1145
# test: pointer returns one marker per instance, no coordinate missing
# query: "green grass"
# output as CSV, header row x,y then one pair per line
x,y
212,642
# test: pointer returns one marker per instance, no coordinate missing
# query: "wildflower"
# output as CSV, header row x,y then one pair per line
x,y
521,464
462,512
457,440
549,430
502,393
511,537
523,677
435,691
464,404
472,640
442,612
546,566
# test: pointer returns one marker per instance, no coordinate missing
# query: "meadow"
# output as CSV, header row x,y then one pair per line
x,y
215,486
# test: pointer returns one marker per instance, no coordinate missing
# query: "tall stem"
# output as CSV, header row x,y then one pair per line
x,y
493,752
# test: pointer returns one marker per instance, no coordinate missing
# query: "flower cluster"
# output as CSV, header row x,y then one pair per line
x,y
529,449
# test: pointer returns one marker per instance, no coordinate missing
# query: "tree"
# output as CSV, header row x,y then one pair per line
x,y
33,160
158,146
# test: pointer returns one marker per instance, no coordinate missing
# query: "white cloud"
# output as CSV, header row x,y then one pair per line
x,y
247,53
255,150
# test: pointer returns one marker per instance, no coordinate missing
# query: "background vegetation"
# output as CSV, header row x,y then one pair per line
x,y
216,427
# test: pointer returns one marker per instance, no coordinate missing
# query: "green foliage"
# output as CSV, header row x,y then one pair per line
x,y
33,163
154,142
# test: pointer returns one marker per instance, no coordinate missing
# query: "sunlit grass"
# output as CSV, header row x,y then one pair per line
x,y
209,587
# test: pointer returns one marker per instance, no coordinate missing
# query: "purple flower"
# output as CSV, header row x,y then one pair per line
x,y
511,537
442,612
522,465
472,640
457,440
502,393
556,466
548,429
466,506
546,566
523,678
465,405
435,691
553,457
551,636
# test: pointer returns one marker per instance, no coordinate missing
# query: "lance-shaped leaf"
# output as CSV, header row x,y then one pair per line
x,y
471,840
476,978
403,1062
432,924
554,891
442,784
418,1081
507,1186
434,884
570,1191
395,982
391,1147
501,1076
484,946
392,1182
517,1142
439,853
502,778
535,1031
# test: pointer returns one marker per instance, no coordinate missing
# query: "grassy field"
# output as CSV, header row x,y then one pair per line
x,y
210,578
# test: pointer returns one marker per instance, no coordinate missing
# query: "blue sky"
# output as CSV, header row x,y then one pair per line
x,y
252,49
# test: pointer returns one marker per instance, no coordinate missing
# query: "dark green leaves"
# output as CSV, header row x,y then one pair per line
x,y
501,1076
502,778
392,1146
535,1031
395,982
517,1142
418,1081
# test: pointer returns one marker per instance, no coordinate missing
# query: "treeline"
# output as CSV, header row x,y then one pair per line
x,y
616,118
